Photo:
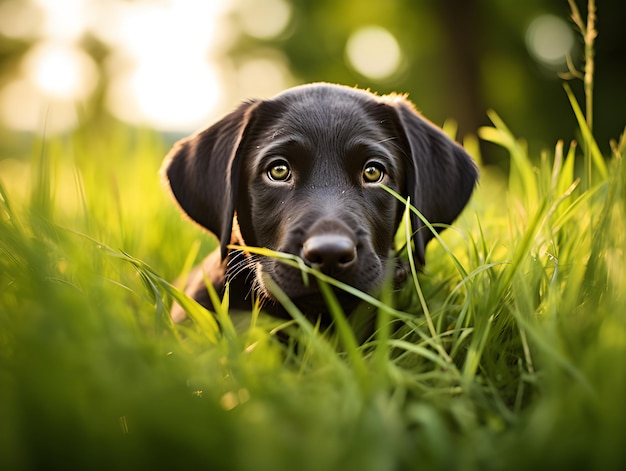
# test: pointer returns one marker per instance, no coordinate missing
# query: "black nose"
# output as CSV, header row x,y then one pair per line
x,y
329,252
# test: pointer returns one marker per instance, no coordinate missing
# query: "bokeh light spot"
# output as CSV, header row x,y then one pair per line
x,y
263,19
61,71
52,78
161,72
374,52
549,39
262,75
172,97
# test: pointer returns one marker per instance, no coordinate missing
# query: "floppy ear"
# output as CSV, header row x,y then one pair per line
x,y
441,175
203,172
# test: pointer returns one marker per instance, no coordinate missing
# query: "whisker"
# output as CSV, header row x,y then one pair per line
x,y
237,264
241,261
235,257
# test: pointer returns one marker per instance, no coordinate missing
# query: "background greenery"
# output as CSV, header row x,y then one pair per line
x,y
460,58
507,352
463,57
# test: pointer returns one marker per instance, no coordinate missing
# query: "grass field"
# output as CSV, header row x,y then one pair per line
x,y
508,351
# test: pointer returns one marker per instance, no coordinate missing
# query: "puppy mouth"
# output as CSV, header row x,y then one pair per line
x,y
307,296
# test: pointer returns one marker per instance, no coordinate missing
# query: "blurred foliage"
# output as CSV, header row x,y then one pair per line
x,y
461,58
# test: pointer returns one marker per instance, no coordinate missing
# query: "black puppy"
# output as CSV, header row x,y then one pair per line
x,y
301,173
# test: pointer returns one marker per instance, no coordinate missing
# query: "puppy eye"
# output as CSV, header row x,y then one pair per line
x,y
373,173
279,171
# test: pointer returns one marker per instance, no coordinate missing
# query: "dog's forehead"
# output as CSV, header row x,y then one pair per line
x,y
326,112
325,129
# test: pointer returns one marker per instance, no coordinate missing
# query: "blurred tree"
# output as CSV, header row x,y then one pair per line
x,y
461,61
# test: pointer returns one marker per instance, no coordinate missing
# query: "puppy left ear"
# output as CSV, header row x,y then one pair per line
x,y
441,175
202,172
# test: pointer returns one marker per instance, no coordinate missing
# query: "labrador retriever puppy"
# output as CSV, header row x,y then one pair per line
x,y
301,173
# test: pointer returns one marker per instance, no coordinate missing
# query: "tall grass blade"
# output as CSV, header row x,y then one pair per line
x,y
594,157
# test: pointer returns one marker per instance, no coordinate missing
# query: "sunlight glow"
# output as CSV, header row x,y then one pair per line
x,y
52,78
163,65
161,70
64,19
61,71
374,52
19,19
173,97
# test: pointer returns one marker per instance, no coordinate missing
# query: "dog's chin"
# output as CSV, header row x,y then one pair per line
x,y
308,299
315,307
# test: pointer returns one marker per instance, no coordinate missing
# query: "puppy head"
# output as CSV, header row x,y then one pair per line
x,y
310,158
311,186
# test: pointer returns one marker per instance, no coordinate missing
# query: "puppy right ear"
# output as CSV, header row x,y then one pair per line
x,y
440,176
202,171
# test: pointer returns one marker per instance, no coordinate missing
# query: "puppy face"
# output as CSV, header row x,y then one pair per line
x,y
311,186
301,173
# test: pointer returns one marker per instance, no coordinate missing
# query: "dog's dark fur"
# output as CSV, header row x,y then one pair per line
x,y
297,174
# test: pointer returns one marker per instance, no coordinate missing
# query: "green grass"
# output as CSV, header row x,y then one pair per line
x,y
507,352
